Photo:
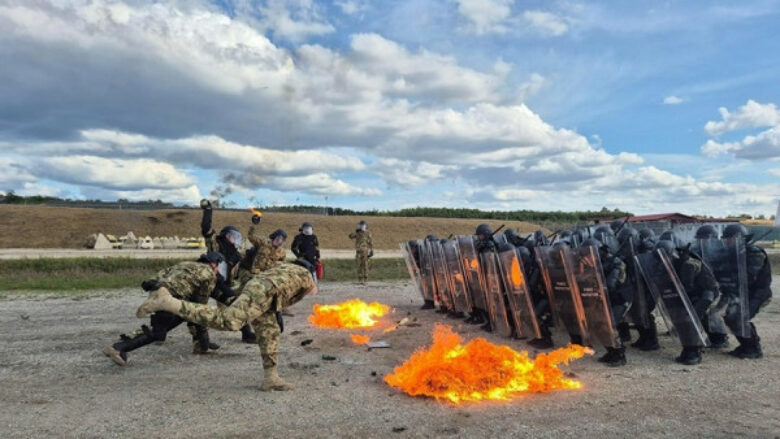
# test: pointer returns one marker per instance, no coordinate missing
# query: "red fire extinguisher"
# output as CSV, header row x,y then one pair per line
x,y
320,269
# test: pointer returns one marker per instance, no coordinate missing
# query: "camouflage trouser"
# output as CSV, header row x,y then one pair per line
x,y
362,266
254,307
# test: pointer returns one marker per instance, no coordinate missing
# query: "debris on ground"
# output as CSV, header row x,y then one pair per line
x,y
328,357
307,342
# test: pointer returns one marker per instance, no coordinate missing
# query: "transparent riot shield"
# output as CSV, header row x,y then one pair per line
x,y
590,285
672,301
500,239
639,313
427,272
458,288
472,269
521,307
410,251
440,274
727,259
494,293
566,306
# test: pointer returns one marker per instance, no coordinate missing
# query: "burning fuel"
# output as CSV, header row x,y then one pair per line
x,y
481,370
359,339
351,314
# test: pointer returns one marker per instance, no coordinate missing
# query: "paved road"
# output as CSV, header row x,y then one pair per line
x,y
35,253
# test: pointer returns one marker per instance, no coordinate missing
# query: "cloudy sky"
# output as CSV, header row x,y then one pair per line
x,y
499,104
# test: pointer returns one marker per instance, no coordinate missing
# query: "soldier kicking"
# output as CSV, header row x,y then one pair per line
x,y
263,297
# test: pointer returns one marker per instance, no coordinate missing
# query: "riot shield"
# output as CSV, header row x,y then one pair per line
x,y
672,301
521,305
566,306
726,258
411,257
427,272
639,313
500,240
457,280
440,274
590,285
469,261
494,293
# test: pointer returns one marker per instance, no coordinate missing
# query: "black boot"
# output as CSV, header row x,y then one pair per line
x,y
690,355
427,305
544,342
624,332
117,352
648,339
614,357
477,317
247,336
749,347
201,344
718,341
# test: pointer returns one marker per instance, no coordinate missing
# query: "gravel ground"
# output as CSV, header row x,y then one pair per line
x,y
36,253
54,381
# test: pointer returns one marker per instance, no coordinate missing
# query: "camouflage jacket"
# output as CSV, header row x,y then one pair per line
x,y
191,281
265,254
363,242
287,282
696,277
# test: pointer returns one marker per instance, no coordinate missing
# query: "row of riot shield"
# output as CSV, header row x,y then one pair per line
x,y
575,283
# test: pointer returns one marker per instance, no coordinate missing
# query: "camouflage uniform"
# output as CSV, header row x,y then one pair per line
x,y
263,295
191,281
363,247
265,256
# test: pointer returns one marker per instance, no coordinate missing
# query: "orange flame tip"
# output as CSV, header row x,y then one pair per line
x,y
351,314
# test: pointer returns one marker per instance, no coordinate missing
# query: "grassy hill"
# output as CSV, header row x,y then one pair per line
x,y
66,227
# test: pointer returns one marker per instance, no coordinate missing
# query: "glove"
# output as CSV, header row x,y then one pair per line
x,y
255,219
151,285
280,321
205,204
370,253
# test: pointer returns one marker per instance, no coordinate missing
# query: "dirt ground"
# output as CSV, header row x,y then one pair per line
x,y
55,382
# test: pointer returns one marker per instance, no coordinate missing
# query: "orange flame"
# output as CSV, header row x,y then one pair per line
x,y
480,370
255,211
359,339
351,314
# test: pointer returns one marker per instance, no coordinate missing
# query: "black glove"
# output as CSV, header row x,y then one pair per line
x,y
280,321
255,219
205,204
151,285
370,253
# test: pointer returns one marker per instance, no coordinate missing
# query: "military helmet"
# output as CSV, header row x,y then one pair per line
x,y
615,225
276,233
231,235
668,247
211,258
484,229
706,231
645,234
564,234
362,223
540,238
669,235
734,230
592,241
431,238
627,233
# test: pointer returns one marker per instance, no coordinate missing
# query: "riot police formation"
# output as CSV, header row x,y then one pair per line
x,y
598,283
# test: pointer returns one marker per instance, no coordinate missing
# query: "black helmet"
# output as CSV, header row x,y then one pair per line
x,y
592,241
276,233
540,238
484,229
615,225
668,247
513,237
627,233
734,230
669,235
524,253
645,234
431,238
362,223
564,234
231,235
211,258
706,231
304,225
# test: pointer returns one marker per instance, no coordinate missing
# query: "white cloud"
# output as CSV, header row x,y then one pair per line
x,y
765,145
673,100
750,115
111,173
486,16
774,172
546,23
352,7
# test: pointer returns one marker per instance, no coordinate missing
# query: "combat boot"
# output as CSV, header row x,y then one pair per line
x,y
477,317
544,342
718,341
575,339
648,339
117,352
614,357
201,343
158,300
247,335
428,305
749,347
690,356
624,332
271,381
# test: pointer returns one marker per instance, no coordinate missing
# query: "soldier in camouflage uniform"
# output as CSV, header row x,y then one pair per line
x,y
191,281
263,297
228,242
266,252
364,249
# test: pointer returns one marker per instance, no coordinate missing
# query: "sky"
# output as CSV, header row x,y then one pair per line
x,y
646,106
